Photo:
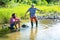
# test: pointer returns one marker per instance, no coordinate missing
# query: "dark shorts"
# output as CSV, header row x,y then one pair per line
x,y
12,26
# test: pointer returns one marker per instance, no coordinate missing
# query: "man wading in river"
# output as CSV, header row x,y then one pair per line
x,y
32,11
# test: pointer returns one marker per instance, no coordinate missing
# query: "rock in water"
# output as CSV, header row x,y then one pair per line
x,y
24,26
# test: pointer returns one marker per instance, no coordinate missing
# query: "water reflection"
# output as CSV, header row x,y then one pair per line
x,y
33,34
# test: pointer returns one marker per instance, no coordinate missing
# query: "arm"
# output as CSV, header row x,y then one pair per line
x,y
39,10
27,12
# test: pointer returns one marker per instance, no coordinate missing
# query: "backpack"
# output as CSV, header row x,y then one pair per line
x,y
24,26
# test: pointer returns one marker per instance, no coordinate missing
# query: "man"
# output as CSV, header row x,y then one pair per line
x,y
14,21
32,11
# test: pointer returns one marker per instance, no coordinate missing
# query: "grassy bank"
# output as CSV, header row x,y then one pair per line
x,y
5,13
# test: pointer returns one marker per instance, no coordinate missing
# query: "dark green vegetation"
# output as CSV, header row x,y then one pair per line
x,y
3,32
6,3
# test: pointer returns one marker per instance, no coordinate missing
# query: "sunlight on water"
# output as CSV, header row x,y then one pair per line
x,y
46,30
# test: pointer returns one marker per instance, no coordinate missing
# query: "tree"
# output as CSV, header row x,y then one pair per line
x,y
9,0
52,1
48,1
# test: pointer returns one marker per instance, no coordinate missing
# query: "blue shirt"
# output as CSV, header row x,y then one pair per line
x,y
32,11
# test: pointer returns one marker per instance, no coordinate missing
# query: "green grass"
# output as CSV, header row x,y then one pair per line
x,y
5,13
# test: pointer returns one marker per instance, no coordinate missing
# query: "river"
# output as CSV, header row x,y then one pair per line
x,y
48,29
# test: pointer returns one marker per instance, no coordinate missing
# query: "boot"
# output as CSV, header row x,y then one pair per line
x,y
36,23
32,24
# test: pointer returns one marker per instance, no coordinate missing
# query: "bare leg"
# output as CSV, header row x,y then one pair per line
x,y
16,26
32,22
36,22
19,24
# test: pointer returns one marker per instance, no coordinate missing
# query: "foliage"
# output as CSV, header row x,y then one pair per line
x,y
5,13
3,32
40,2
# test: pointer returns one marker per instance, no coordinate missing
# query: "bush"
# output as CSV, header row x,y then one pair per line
x,y
3,32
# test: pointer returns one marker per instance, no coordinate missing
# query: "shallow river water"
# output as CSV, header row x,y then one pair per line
x,y
47,30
